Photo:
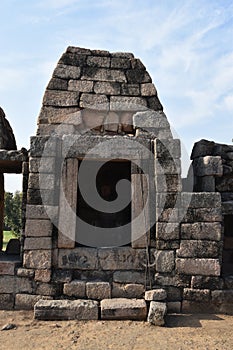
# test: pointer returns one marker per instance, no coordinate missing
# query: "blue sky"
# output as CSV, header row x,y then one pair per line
x,y
187,47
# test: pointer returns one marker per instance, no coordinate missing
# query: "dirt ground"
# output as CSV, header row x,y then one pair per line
x,y
192,332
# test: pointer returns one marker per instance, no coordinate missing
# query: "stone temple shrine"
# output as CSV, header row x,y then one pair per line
x,y
110,229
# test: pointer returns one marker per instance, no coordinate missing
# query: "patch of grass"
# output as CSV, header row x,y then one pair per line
x,y
7,235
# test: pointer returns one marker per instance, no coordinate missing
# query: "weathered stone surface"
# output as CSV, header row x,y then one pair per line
x,y
41,181
81,85
201,200
98,61
224,184
207,183
6,301
175,281
165,261
198,249
167,231
129,277
38,149
8,267
205,267
98,290
202,295
103,74
50,289
22,272
111,122
222,296
167,149
93,119
73,59
41,212
62,276
168,183
107,88
7,139
127,55
167,245
136,63
129,290
99,102
203,214
46,166
122,258
148,89
197,307
43,276
64,115
57,84
208,165
60,98
123,309
157,313
167,166
67,72
66,310
206,282
37,259
127,103
37,227
119,62
75,289
137,76
155,294
150,120
23,285
7,284
78,258
100,52
201,231
27,301
35,243
130,89
227,207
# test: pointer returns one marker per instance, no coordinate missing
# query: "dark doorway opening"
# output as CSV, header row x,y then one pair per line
x,y
109,174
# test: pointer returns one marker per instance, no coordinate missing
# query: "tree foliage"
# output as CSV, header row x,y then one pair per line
x,y
12,212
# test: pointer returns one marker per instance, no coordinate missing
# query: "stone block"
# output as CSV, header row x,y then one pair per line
x,y
202,148
37,227
167,231
198,249
129,277
43,276
169,216
73,59
167,149
135,76
165,261
203,214
62,276
123,309
205,267
167,245
107,88
47,165
148,89
199,282
81,85
129,290
167,166
200,200
8,267
49,289
130,89
98,290
127,55
23,285
207,166
92,101
103,74
201,231
75,288
111,122
127,103
66,310
60,98
175,281
197,307
57,84
35,243
98,61
41,181
6,301
22,272
207,183
122,258
202,295
119,62
155,294
79,258
168,183
149,119
37,259
7,284
227,207
27,301
174,307
42,212
93,119
67,72
43,146
157,313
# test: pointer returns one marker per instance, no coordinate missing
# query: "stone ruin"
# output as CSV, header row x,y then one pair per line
x,y
169,249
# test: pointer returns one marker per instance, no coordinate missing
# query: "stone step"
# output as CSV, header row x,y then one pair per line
x,y
123,309
66,310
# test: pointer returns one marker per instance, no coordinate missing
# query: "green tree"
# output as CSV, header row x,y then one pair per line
x,y
12,212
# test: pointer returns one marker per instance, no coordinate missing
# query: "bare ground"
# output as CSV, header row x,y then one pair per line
x,y
192,332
